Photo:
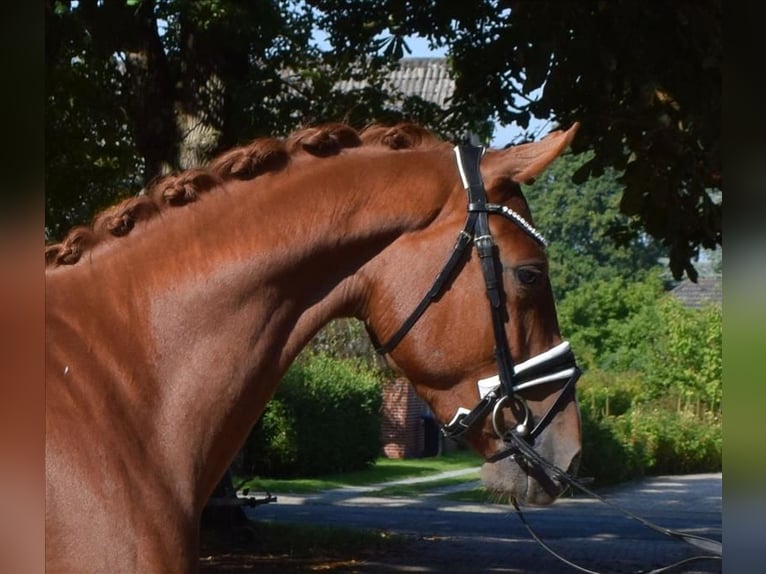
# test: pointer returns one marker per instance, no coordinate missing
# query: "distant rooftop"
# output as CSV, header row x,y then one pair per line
x,y
428,78
705,291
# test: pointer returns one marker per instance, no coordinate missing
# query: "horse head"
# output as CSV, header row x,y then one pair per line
x,y
481,341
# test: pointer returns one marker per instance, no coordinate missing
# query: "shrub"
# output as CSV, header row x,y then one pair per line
x,y
647,438
595,318
652,390
324,418
687,361
608,394
674,442
604,398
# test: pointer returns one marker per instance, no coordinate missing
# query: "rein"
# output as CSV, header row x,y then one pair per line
x,y
522,448
556,364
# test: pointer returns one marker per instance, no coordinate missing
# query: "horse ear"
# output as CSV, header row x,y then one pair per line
x,y
522,163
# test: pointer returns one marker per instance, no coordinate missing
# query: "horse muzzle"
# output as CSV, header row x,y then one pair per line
x,y
527,471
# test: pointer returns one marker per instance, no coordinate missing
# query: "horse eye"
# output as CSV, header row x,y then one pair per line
x,y
528,275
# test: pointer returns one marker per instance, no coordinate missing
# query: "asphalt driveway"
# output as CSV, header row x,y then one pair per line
x,y
455,537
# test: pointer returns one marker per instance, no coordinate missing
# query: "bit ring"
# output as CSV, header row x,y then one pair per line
x,y
521,428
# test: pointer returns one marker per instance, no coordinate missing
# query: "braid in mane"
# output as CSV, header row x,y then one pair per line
x,y
246,162
119,219
323,141
399,136
263,155
168,191
185,187
69,251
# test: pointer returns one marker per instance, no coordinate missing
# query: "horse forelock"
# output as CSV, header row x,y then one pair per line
x,y
247,162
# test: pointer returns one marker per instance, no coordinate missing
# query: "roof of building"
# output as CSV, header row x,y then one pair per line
x,y
705,291
428,78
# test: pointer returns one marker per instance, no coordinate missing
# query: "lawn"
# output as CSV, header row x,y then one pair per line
x,y
383,470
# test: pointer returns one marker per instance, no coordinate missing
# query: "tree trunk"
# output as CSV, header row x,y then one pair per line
x,y
200,105
150,86
177,111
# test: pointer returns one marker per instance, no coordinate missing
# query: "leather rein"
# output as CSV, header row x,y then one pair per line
x,y
556,364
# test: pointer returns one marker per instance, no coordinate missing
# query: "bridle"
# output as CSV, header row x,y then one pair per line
x,y
556,364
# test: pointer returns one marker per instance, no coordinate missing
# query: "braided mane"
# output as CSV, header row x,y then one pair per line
x,y
263,155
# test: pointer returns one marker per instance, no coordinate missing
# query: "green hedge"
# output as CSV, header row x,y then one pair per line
x,y
324,418
651,396
626,436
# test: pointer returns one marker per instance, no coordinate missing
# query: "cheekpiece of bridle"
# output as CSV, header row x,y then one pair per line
x,y
503,389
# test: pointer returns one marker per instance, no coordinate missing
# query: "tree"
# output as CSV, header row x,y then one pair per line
x,y
140,88
162,84
642,78
600,320
589,239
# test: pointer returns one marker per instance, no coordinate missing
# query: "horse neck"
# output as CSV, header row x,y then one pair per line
x,y
294,244
227,294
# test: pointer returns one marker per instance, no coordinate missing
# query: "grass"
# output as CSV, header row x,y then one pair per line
x,y
384,470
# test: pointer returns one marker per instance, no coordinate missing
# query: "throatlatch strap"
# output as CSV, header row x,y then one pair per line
x,y
440,282
458,251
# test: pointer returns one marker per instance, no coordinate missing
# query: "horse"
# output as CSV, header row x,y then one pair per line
x,y
172,316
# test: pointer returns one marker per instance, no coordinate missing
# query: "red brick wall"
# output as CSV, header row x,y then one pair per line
x,y
401,424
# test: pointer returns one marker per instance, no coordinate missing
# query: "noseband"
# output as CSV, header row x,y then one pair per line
x,y
556,364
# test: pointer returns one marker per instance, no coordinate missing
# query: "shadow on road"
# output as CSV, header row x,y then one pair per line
x,y
440,535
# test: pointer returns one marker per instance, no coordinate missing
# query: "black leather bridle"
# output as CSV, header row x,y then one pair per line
x,y
556,364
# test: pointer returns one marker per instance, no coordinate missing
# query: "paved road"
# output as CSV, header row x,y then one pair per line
x,y
454,537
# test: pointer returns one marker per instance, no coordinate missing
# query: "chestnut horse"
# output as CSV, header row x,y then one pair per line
x,y
171,318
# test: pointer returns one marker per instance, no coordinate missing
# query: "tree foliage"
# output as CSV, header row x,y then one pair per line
x,y
594,317
582,223
139,88
164,83
636,327
643,79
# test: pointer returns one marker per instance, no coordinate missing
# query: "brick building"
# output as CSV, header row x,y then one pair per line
x,y
408,429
